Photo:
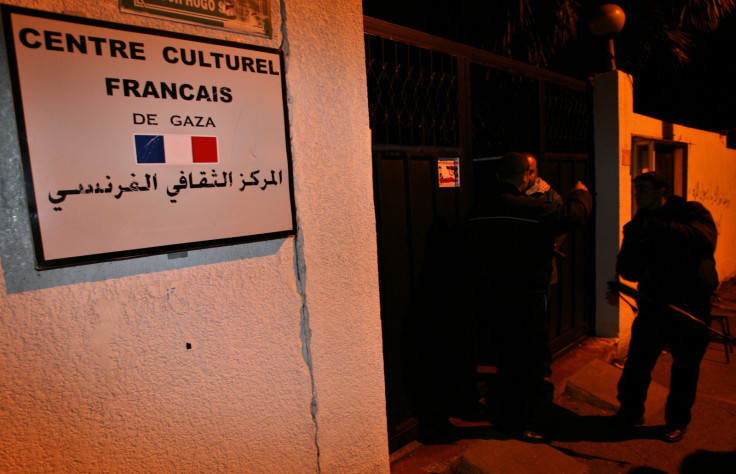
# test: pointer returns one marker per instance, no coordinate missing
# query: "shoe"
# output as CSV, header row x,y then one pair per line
x,y
531,436
674,436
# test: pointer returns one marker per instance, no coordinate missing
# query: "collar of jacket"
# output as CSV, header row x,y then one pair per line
x,y
504,187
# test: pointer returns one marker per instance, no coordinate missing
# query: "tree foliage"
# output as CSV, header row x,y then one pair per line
x,y
536,31
665,44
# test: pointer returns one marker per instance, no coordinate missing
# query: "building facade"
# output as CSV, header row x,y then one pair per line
x,y
262,356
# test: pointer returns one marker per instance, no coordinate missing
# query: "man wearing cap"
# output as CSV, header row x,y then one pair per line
x,y
668,249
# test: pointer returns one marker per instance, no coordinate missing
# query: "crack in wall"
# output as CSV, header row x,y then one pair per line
x,y
305,332
306,336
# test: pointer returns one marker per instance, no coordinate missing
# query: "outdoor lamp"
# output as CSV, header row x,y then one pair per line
x,y
607,21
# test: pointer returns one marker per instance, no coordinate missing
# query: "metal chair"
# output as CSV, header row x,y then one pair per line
x,y
722,315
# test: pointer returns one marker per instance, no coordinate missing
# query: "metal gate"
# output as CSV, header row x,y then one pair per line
x,y
432,99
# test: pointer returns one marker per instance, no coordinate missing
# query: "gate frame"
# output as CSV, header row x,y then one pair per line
x,y
465,57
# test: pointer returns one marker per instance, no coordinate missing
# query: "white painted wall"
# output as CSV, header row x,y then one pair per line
x,y
285,373
711,172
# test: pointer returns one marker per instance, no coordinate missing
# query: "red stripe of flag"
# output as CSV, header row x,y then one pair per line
x,y
204,149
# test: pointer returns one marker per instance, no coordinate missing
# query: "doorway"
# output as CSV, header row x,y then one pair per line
x,y
666,157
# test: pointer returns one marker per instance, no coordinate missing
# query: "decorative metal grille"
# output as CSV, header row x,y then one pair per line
x,y
568,120
412,93
505,112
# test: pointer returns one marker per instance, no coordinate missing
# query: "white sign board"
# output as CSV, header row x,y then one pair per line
x,y
136,141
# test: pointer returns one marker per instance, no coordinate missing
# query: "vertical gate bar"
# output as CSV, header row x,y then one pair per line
x,y
465,128
409,217
542,119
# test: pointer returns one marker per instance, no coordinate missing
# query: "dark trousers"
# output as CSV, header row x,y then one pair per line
x,y
651,333
521,338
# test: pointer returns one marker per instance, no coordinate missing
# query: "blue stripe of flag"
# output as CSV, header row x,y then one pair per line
x,y
150,149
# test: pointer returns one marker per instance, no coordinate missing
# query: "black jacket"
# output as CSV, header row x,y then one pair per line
x,y
670,252
511,236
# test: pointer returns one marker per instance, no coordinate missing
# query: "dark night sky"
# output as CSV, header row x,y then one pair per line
x,y
701,94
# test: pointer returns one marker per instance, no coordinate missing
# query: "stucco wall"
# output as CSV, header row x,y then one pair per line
x,y
711,170
285,370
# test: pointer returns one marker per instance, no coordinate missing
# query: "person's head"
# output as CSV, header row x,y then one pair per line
x,y
650,190
533,167
514,169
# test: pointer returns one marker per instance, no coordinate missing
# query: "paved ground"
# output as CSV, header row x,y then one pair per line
x,y
578,439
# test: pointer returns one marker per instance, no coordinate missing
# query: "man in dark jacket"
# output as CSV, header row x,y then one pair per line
x,y
511,243
668,248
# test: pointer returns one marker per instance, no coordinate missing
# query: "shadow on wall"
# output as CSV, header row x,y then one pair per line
x,y
438,339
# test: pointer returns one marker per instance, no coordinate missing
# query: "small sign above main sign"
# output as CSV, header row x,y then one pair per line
x,y
248,16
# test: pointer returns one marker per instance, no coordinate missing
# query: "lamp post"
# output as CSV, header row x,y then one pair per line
x,y
605,22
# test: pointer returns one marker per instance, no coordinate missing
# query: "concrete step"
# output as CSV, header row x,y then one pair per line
x,y
494,455
595,384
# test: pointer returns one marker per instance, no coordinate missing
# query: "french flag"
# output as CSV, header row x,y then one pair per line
x,y
177,149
